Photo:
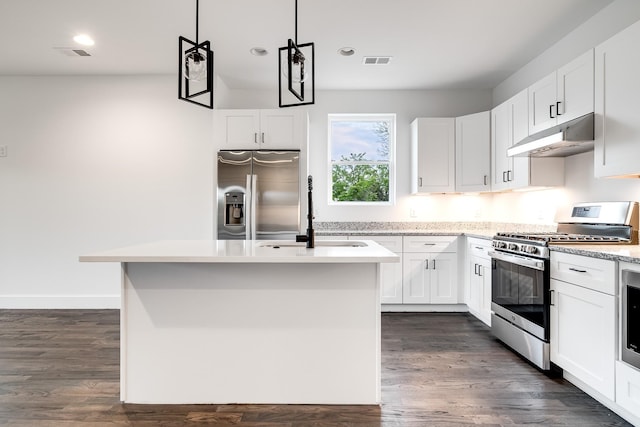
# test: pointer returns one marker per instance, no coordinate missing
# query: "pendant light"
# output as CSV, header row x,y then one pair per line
x,y
195,69
296,71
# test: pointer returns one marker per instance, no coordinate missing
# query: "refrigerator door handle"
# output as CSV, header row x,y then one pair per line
x,y
254,197
249,209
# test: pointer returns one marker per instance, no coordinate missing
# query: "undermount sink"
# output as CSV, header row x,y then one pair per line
x,y
318,243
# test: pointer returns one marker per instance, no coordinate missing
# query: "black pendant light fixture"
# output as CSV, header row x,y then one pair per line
x,y
296,71
195,69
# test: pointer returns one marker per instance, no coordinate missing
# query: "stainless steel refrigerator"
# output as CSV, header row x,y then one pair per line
x,y
258,195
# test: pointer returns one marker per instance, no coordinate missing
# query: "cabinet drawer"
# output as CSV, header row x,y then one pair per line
x,y
393,243
429,244
478,247
592,273
628,388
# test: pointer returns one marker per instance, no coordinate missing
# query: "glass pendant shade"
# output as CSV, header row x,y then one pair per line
x,y
195,67
298,72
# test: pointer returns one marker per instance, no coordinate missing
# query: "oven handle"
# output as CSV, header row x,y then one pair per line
x,y
518,260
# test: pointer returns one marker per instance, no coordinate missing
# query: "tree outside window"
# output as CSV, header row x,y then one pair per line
x,y
361,150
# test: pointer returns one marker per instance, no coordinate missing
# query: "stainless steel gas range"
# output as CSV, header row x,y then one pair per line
x,y
520,296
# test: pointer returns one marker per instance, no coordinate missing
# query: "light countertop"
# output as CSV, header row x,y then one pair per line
x,y
246,251
627,253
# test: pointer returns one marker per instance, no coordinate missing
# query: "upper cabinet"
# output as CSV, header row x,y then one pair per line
x,y
260,129
473,154
563,95
509,124
617,89
433,155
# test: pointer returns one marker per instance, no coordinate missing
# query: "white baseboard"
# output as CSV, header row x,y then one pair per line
x,y
424,308
59,301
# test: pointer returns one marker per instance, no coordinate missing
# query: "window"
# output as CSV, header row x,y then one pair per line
x,y
361,150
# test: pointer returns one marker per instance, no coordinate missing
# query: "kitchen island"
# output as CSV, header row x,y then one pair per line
x,y
249,321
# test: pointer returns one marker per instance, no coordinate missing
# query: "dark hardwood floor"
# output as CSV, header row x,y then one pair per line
x,y
61,368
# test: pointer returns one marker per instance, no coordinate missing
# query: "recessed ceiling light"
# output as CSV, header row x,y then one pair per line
x,y
346,51
258,51
84,40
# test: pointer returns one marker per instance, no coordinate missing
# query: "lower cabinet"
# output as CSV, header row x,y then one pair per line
x,y
478,279
429,278
583,320
628,389
430,270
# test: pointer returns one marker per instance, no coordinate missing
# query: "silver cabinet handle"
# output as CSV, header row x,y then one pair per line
x,y
429,244
509,178
558,108
479,270
504,173
262,137
551,293
426,264
475,269
420,182
255,137
577,270
434,264
485,180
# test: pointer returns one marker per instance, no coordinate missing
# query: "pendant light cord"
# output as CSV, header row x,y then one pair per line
x,y
197,20
296,32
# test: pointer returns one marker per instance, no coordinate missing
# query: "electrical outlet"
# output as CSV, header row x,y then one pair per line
x,y
412,213
3,151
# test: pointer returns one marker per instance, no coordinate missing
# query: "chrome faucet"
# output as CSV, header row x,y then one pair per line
x,y
310,236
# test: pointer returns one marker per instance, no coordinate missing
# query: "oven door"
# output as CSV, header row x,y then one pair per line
x,y
520,292
631,317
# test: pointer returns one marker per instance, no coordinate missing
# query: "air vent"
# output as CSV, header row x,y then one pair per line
x,y
376,60
67,51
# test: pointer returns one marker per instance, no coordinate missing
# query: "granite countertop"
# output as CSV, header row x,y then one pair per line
x,y
627,253
245,251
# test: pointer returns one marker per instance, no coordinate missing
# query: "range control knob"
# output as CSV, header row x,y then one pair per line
x,y
532,250
499,245
513,247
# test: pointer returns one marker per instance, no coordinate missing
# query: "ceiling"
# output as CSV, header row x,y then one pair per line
x,y
434,44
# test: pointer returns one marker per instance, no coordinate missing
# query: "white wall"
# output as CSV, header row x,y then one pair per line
x,y
95,163
611,20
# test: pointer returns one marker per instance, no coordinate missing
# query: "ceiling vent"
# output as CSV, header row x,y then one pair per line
x,y
67,51
376,60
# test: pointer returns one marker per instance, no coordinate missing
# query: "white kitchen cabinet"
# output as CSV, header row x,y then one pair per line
x,y
583,319
478,279
433,155
628,390
617,89
260,129
430,270
391,286
563,95
473,152
509,125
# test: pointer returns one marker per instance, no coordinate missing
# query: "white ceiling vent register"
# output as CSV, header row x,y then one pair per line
x,y
376,60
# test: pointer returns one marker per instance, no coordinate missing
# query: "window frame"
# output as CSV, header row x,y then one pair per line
x,y
365,117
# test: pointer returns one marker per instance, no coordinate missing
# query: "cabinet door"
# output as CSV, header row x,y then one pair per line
x,y
443,282
500,141
474,292
583,335
416,278
617,89
473,154
281,129
519,175
484,282
434,159
575,88
542,103
391,287
237,129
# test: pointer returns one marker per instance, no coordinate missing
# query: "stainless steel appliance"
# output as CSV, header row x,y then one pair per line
x,y
258,195
520,298
631,317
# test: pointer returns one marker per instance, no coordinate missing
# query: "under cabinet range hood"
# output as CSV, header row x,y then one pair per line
x,y
566,139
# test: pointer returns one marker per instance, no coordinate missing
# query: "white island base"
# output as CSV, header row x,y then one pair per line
x,y
305,332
